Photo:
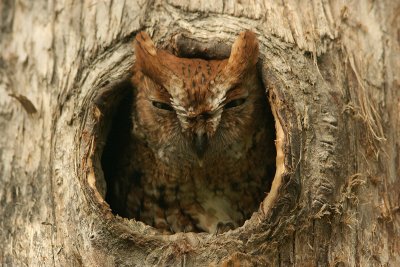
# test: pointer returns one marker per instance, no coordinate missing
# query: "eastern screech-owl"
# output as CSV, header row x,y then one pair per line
x,y
203,139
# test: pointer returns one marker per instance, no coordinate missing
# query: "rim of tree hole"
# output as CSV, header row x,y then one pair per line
x,y
113,99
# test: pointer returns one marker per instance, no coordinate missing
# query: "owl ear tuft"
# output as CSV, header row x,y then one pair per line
x,y
145,44
147,60
244,54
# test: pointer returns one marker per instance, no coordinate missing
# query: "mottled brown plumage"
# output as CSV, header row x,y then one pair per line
x,y
202,142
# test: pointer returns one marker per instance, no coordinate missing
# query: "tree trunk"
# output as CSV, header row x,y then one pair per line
x,y
331,70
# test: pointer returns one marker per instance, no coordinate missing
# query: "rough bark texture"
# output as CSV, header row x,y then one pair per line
x,y
332,69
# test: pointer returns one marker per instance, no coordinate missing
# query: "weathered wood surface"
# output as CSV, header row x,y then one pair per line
x,y
333,68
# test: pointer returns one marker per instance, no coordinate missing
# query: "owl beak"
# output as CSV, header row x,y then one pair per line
x,y
200,143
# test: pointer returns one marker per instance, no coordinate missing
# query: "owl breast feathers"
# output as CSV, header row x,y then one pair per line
x,y
202,140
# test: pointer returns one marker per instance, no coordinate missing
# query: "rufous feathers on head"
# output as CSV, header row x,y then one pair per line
x,y
152,61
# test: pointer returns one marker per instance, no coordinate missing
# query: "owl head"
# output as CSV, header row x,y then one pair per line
x,y
190,109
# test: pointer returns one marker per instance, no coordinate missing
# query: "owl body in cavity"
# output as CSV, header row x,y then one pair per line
x,y
202,138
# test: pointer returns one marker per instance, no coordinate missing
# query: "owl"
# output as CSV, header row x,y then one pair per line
x,y
203,141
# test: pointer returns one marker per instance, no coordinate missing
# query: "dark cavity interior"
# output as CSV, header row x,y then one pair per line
x,y
117,156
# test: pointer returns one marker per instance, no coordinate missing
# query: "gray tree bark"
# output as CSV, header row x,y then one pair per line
x,y
331,69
